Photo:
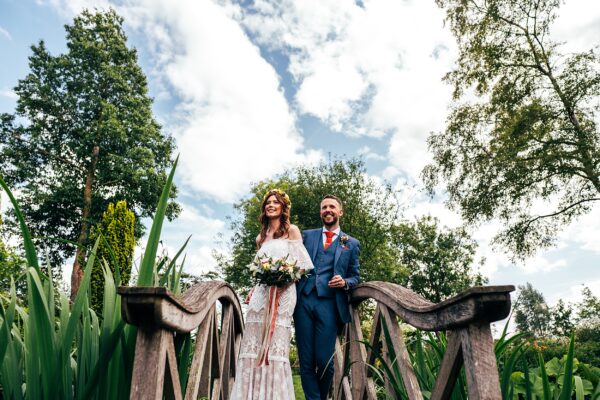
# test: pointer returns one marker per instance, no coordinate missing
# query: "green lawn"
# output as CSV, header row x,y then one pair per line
x,y
298,388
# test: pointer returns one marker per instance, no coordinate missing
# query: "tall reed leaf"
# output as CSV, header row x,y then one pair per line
x,y
567,387
30,253
146,275
170,273
7,320
509,367
80,301
544,375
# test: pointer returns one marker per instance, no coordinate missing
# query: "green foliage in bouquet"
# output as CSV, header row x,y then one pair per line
x,y
271,271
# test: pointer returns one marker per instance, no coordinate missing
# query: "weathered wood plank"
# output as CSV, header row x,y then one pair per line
x,y
480,362
226,350
341,384
172,383
161,308
216,371
338,369
489,303
149,361
402,357
361,389
450,368
199,375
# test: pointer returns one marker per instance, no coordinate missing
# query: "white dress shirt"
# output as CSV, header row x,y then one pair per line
x,y
335,236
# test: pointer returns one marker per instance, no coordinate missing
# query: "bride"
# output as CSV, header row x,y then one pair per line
x,y
263,371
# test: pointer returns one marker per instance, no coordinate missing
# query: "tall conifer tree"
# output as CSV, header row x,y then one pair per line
x,y
89,138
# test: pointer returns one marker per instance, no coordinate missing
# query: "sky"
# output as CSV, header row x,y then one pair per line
x,y
251,88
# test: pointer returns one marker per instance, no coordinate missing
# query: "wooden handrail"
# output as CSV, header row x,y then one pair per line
x,y
159,307
479,303
466,318
160,316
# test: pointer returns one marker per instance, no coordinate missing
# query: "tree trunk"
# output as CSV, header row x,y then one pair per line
x,y
77,274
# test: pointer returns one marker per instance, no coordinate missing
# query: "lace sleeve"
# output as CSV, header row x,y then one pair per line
x,y
299,253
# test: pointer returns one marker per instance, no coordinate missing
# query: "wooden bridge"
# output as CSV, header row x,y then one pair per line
x,y
213,311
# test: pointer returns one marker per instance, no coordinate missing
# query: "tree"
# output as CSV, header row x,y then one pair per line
x,y
89,139
588,310
117,228
11,267
562,319
531,312
521,142
439,261
391,250
370,210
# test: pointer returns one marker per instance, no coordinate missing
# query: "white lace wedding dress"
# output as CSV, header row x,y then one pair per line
x,y
273,381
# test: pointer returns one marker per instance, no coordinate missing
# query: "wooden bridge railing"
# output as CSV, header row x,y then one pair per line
x,y
158,314
466,318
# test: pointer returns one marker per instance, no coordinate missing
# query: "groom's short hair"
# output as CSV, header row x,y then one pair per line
x,y
331,196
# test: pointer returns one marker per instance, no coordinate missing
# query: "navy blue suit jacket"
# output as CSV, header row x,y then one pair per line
x,y
345,264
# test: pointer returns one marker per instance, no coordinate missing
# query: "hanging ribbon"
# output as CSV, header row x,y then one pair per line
x,y
269,323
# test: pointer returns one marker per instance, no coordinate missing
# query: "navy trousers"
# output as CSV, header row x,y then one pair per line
x,y
317,323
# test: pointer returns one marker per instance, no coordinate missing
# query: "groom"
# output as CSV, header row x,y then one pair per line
x,y
322,306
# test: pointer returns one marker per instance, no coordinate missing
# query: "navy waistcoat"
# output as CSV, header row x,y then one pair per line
x,y
323,272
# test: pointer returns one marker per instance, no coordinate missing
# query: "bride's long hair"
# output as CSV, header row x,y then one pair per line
x,y
284,218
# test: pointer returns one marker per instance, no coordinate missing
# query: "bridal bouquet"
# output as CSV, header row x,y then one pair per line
x,y
274,271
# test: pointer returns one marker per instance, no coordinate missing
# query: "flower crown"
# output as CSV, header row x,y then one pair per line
x,y
280,192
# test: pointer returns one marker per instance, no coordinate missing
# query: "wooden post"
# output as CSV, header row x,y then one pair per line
x,y
450,368
150,361
402,357
480,362
199,376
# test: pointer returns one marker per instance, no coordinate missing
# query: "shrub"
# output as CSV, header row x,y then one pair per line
x,y
115,248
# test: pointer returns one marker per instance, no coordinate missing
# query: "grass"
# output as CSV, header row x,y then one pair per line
x,y
298,387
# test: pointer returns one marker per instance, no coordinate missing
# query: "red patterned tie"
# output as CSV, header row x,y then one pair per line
x,y
329,239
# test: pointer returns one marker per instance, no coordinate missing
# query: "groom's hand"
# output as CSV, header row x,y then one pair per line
x,y
337,282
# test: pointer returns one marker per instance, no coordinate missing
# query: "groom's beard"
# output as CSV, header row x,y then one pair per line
x,y
333,221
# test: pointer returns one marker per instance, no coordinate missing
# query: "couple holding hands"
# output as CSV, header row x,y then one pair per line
x,y
317,304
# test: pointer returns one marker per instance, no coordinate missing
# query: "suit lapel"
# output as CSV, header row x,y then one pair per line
x,y
338,249
316,241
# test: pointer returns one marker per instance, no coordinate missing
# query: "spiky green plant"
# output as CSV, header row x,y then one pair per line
x,y
553,380
60,350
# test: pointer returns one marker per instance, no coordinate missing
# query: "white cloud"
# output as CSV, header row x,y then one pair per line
x,y
365,69
5,33
232,123
204,231
577,25
541,264
584,232
573,294
68,8
8,94
369,154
